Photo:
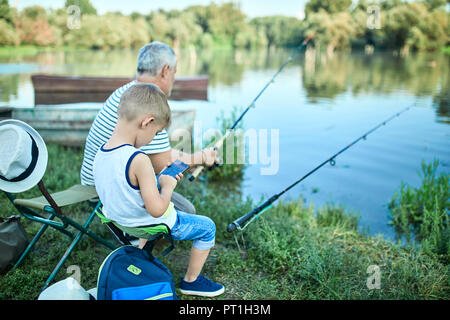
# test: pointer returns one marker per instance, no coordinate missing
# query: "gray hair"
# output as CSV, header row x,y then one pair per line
x,y
154,56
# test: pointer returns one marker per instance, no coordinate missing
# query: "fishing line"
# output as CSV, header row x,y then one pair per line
x,y
219,143
242,222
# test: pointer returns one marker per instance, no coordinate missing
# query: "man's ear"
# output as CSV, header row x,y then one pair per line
x,y
147,121
165,71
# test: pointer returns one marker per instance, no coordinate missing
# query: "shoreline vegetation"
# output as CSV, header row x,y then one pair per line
x,y
293,251
395,25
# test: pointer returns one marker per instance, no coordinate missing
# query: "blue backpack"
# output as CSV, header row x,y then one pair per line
x,y
130,273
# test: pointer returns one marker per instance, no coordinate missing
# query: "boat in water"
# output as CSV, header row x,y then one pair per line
x,y
57,89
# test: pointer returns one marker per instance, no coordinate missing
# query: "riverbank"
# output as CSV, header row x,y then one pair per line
x,y
292,252
30,50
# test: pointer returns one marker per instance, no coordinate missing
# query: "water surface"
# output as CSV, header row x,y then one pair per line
x,y
318,105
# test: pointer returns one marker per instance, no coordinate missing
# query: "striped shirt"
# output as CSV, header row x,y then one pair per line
x,y
102,129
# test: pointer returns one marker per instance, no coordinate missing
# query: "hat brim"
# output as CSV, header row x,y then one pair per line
x,y
41,164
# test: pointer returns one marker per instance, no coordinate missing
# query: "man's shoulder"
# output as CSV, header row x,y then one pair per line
x,y
115,96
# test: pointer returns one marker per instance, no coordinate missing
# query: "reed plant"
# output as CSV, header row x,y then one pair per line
x,y
422,213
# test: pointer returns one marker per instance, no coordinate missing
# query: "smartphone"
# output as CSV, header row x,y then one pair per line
x,y
175,168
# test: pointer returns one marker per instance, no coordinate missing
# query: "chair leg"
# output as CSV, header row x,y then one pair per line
x,y
31,245
82,230
63,259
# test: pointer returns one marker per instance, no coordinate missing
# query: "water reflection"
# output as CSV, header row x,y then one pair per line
x,y
421,75
320,103
322,77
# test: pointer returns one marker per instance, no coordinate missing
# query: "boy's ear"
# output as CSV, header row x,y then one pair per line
x,y
147,121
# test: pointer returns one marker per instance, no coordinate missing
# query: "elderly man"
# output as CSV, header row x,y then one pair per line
x,y
157,64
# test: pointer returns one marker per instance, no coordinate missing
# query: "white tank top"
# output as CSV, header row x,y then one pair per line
x,y
122,201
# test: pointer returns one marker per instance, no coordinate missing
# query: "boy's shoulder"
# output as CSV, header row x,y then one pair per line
x,y
140,161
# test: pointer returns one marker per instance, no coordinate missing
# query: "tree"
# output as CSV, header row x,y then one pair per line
x,y
5,12
279,30
389,4
434,4
332,31
85,6
330,6
8,35
33,28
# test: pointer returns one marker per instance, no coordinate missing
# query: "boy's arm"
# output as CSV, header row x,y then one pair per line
x,y
156,202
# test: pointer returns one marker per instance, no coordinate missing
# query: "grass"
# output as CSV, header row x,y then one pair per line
x,y
446,50
422,213
292,251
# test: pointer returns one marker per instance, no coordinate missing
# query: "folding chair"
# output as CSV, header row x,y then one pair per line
x,y
153,233
51,205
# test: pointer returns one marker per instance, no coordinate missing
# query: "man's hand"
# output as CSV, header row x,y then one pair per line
x,y
209,156
206,157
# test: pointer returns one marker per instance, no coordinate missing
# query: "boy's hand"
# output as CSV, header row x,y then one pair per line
x,y
166,181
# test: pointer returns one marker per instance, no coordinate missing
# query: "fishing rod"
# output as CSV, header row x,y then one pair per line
x,y
250,216
219,143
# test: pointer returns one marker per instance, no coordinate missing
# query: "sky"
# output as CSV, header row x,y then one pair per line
x,y
252,8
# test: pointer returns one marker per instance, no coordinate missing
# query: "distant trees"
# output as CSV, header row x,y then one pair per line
x,y
85,6
5,12
337,25
330,6
421,25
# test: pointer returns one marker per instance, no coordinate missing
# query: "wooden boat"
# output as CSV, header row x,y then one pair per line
x,y
68,125
52,89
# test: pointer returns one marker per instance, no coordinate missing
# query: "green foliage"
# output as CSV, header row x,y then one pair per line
x,y
434,4
329,6
414,26
424,211
85,6
5,12
333,31
8,35
232,168
290,252
279,30
108,31
419,25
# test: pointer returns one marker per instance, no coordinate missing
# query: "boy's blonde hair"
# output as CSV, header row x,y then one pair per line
x,y
145,98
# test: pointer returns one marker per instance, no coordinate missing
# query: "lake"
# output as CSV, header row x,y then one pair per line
x,y
316,106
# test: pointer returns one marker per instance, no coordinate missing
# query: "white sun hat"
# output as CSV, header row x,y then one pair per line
x,y
67,289
23,156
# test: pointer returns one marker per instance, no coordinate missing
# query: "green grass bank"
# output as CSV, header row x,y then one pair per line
x,y
292,251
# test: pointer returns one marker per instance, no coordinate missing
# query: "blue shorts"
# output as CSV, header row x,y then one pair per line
x,y
195,227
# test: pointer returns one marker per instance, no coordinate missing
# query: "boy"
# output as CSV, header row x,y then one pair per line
x,y
126,183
